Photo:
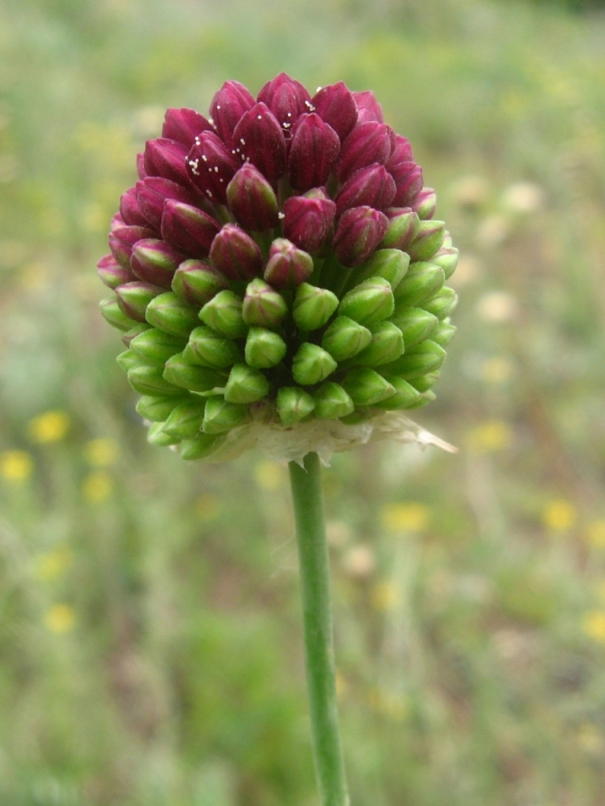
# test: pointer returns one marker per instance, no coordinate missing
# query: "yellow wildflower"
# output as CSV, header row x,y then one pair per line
x,y
559,515
490,437
594,625
16,466
97,487
52,564
410,516
268,475
51,426
101,452
60,618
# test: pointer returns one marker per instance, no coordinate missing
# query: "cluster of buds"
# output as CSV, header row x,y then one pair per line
x,y
277,261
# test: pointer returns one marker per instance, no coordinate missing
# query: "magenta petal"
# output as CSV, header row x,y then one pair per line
x,y
313,152
227,107
259,139
336,105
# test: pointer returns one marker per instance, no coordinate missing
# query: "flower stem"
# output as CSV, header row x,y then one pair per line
x,y
315,585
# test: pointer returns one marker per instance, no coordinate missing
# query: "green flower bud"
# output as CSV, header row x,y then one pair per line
x,y
197,282
421,359
224,314
245,385
391,264
157,409
447,258
425,382
169,313
128,359
148,380
422,281
159,438
133,298
208,348
426,397
185,420
402,229
313,306
181,373
114,316
444,334
332,401
131,334
155,346
429,239
368,303
264,348
359,415
386,346
263,305
366,387
312,364
405,395
415,324
221,416
199,447
443,303
344,338
293,404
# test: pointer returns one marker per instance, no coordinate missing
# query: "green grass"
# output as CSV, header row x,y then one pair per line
x,y
150,636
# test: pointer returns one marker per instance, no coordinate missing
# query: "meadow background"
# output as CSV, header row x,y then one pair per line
x,y
150,646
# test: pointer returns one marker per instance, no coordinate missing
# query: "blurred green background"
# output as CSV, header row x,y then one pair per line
x,y
150,646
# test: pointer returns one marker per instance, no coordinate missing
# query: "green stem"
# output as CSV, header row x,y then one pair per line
x,y
315,585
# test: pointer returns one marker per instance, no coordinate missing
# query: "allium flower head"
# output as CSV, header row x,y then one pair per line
x,y
278,263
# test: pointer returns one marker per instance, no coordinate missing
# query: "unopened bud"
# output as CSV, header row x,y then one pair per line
x,y
408,180
183,125
425,382
128,359
224,314
313,152
211,166
286,98
313,306
344,338
425,397
264,348
112,273
372,186
149,380
263,306
368,142
166,158
252,200
122,239
428,240
386,346
443,303
443,334
420,283
402,228
221,416
188,229
152,194
154,261
312,364
185,420
390,264
287,265
308,220
208,348
172,315
358,233
158,408
424,357
199,447
227,107
366,387
130,211
114,315
293,404
336,105
197,282
425,203
134,298
447,258
415,324
405,395
157,437
368,303
236,254
135,331
259,138
245,385
368,107
332,401
194,378
156,346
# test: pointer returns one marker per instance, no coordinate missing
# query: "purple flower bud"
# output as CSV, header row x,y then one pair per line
x,y
112,273
154,261
373,186
251,199
122,239
425,203
259,139
141,172
368,107
336,105
236,254
117,222
187,228
286,98
313,153
133,298
166,158
198,282
402,229
153,191
408,179
228,106
368,142
129,209
287,266
211,166
402,152
263,306
358,233
183,125
308,220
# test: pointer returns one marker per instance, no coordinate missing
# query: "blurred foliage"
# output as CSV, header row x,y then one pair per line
x,y
150,650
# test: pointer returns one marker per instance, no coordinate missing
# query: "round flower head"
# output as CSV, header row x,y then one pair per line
x,y
279,275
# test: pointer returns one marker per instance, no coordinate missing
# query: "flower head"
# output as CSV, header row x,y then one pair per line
x,y
278,262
